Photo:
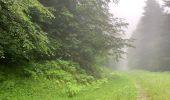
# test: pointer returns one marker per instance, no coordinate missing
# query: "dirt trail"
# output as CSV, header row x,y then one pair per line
x,y
141,93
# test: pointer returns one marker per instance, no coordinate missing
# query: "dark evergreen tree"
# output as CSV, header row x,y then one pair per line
x,y
147,51
78,30
165,42
83,30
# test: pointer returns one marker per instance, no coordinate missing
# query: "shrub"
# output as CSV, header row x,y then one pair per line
x,y
9,84
68,66
29,73
72,89
84,78
2,77
61,75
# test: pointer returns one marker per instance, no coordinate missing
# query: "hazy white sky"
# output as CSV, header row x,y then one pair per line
x,y
131,10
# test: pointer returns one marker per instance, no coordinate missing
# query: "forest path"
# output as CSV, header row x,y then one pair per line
x,y
141,94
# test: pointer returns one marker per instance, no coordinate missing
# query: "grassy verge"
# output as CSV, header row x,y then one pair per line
x,y
63,81
118,87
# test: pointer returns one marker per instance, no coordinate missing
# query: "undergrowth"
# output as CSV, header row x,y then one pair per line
x,y
35,81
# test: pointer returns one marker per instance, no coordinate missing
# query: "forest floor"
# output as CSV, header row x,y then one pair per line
x,y
133,85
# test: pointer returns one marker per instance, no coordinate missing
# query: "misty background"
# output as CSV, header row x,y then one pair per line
x,y
149,29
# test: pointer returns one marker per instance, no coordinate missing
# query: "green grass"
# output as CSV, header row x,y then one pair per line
x,y
156,84
117,86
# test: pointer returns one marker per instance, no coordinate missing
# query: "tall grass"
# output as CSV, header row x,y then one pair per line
x,y
118,87
64,85
155,84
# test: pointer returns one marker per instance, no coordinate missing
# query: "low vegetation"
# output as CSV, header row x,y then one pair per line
x,y
53,50
63,80
33,82
155,84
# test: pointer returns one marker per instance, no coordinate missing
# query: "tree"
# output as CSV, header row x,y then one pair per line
x,y
84,29
164,44
76,30
147,54
19,35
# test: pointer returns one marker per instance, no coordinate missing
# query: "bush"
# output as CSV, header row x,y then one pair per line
x,y
2,77
72,89
60,75
68,66
29,73
8,84
84,78
58,69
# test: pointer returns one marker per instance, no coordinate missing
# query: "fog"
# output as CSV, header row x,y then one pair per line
x,y
131,11
149,28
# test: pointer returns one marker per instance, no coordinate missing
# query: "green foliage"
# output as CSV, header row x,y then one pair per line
x,y
8,84
119,86
2,77
68,66
29,73
60,75
72,89
155,84
63,71
50,78
84,79
83,30
19,35
78,31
